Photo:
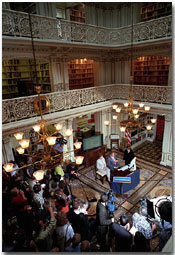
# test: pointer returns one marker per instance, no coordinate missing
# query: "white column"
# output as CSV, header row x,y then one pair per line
x,y
60,77
7,153
167,142
67,155
97,119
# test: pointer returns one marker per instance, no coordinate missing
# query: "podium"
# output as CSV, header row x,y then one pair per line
x,y
124,181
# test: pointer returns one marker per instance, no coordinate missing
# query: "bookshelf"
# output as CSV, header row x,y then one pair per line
x,y
77,13
81,73
141,135
155,10
17,77
151,70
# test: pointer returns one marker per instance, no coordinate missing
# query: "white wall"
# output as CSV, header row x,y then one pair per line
x,y
117,17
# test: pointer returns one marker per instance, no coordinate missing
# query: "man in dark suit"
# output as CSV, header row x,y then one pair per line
x,y
123,238
103,220
128,155
112,162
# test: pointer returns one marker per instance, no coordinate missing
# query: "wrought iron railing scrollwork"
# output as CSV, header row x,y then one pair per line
x,y
17,24
22,108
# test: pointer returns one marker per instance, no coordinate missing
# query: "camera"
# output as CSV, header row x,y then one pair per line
x,y
61,141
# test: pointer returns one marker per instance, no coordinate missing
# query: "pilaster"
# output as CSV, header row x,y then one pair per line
x,y
167,143
7,153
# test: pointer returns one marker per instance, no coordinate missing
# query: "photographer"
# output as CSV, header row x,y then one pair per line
x,y
141,223
43,232
103,220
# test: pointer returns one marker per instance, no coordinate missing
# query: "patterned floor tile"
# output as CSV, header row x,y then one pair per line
x,y
127,205
162,172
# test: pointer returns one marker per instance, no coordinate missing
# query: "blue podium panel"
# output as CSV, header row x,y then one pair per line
x,y
125,187
122,179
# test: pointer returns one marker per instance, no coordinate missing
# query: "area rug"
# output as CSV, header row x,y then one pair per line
x,y
155,180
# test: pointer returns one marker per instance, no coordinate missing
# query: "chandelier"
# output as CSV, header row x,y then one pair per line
x,y
47,157
132,122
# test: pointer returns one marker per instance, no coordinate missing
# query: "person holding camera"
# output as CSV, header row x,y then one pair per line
x,y
142,224
103,220
123,238
42,235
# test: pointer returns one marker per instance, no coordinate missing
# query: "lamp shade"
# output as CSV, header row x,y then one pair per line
x,y
36,128
136,116
115,106
51,140
122,129
114,117
77,145
118,110
8,167
141,105
135,111
147,108
19,136
24,143
149,127
153,121
106,122
126,104
58,126
68,132
79,160
39,175
20,150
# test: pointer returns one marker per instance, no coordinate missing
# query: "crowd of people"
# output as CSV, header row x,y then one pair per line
x,y
44,216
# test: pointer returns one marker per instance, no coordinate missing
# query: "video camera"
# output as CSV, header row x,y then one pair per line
x,y
159,208
61,141
111,203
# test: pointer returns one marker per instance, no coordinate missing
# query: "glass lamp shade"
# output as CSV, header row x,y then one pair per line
x,y
141,105
114,106
126,104
51,140
147,108
153,121
135,111
148,127
136,116
36,128
8,167
77,145
68,132
122,129
106,122
58,126
20,150
18,136
79,160
24,143
39,175
114,117
118,110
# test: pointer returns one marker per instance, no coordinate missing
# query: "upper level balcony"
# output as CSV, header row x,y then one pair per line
x,y
77,101
16,24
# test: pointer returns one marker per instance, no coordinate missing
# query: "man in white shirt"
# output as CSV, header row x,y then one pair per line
x,y
101,166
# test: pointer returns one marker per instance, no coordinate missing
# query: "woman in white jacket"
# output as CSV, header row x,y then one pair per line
x,y
101,166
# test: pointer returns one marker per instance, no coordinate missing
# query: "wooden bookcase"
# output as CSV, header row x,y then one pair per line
x,y
81,74
151,70
160,127
17,77
77,14
155,10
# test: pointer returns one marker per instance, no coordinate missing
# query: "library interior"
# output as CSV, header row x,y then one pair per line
x,y
87,130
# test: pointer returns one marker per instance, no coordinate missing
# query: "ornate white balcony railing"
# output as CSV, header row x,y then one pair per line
x,y
22,108
17,24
